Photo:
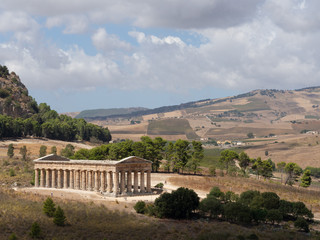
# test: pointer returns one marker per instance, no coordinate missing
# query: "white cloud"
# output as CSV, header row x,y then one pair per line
x,y
108,42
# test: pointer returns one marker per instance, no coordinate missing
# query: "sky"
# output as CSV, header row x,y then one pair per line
x,y
81,54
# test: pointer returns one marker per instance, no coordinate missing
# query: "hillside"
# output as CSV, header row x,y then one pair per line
x,y
96,114
14,98
261,112
21,116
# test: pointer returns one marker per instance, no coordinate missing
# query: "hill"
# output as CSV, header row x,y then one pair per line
x,y
14,98
21,116
96,114
261,112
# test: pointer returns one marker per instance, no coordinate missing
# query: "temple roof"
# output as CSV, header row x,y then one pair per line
x,y
131,159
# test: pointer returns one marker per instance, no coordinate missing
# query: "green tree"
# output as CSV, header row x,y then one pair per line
x,y
23,152
293,172
49,207
42,151
68,151
274,215
10,151
59,218
281,166
211,206
244,161
266,169
270,200
306,179
178,205
227,157
54,150
301,224
181,154
196,156
250,135
35,230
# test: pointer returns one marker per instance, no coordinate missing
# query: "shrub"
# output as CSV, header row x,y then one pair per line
x,y
49,207
59,217
11,172
212,171
274,215
35,230
4,93
159,185
140,207
13,237
212,206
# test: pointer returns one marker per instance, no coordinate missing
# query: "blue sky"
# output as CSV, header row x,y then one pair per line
x,y
77,55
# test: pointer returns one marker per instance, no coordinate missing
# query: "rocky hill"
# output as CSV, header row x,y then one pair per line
x,y
14,98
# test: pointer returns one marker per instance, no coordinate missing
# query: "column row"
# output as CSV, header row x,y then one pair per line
x,y
119,182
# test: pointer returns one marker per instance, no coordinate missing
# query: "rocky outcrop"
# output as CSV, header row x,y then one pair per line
x,y
14,97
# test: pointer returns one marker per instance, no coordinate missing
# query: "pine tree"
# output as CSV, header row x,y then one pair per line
x,y
35,230
49,207
59,217
10,152
306,179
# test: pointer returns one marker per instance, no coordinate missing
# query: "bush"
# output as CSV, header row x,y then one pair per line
x,y
49,207
35,230
140,207
212,171
59,217
211,206
11,172
13,237
159,185
4,93
274,215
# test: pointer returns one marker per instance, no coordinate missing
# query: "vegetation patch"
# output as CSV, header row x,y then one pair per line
x,y
171,127
255,104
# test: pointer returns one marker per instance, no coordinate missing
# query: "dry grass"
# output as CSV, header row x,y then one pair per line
x,y
90,221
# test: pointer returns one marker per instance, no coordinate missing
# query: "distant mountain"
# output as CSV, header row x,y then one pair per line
x,y
263,112
96,114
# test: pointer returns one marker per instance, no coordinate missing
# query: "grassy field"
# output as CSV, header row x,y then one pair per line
x,y
171,127
255,104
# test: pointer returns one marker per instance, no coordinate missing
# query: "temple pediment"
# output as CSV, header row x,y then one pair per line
x,y
52,157
133,159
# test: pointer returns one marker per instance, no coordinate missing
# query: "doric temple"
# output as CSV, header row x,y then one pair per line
x,y
113,178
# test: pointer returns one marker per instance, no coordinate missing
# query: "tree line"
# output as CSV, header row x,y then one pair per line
x,y
292,172
180,156
250,207
48,123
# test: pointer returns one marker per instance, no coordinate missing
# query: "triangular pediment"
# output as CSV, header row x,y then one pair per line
x,y
52,157
133,159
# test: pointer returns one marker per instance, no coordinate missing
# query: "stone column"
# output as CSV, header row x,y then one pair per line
x,y
65,178
47,178
116,183
42,177
149,181
53,178
96,181
71,178
77,179
90,181
36,177
103,181
142,190
135,182
83,185
122,181
110,182
129,182
59,178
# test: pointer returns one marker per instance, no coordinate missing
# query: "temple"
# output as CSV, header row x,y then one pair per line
x,y
112,178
